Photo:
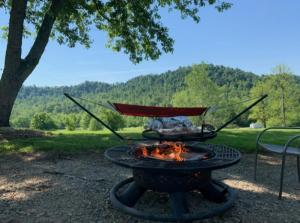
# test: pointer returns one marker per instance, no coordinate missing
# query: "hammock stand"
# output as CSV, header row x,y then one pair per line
x,y
155,111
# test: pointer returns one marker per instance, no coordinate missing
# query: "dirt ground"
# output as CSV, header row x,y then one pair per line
x,y
47,187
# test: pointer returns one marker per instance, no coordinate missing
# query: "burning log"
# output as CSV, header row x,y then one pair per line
x,y
170,151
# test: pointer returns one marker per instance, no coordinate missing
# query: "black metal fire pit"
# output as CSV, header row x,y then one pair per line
x,y
192,172
175,178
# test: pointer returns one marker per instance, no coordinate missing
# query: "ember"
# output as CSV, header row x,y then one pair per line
x,y
171,151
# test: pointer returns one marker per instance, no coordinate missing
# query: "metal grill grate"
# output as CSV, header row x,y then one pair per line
x,y
223,156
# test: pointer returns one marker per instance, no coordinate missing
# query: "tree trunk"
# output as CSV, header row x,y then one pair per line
x,y
8,93
265,123
16,69
283,108
10,83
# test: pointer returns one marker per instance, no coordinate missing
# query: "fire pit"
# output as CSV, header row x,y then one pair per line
x,y
191,171
161,164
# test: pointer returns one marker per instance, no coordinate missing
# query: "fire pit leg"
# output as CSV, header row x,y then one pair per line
x,y
179,205
177,200
214,192
131,194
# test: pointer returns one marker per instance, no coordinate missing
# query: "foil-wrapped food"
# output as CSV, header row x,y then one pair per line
x,y
177,125
173,125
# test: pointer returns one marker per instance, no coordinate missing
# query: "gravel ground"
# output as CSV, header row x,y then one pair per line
x,y
47,187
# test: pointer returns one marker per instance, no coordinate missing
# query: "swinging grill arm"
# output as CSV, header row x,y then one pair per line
x,y
94,116
242,112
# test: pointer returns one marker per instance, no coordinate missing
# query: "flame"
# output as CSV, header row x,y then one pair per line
x,y
171,151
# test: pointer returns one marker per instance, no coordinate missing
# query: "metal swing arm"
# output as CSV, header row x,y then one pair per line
x,y
124,139
95,117
241,113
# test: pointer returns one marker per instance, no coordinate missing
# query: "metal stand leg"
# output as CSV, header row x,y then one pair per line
x,y
177,201
255,162
281,176
298,167
179,205
214,193
132,194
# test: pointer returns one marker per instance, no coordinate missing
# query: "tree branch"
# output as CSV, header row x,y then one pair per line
x,y
41,41
99,5
14,42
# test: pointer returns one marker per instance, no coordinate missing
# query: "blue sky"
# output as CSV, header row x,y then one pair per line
x,y
254,35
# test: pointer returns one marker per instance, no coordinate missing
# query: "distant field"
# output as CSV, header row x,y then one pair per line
x,y
82,140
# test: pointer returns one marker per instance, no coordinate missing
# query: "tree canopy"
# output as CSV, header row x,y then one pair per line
x,y
133,27
261,111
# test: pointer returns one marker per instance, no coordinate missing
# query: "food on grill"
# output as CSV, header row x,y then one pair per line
x,y
169,123
186,131
177,126
179,130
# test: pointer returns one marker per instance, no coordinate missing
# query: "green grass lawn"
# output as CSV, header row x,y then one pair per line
x,y
82,140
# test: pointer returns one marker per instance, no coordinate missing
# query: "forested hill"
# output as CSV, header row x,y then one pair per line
x,y
206,85
152,88
147,90
84,88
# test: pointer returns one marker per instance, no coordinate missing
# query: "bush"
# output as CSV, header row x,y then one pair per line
x,y
114,120
59,120
21,122
85,121
94,125
71,122
42,121
135,121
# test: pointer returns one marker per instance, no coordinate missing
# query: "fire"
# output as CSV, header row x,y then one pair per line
x,y
171,151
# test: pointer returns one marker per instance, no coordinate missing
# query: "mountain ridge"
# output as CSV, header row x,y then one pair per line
x,y
217,73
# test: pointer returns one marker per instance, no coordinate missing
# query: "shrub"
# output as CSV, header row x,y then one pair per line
x,y
71,122
114,120
42,121
94,125
21,122
59,120
85,121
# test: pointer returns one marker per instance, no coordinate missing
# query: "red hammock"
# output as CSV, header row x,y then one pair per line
x,y
153,111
